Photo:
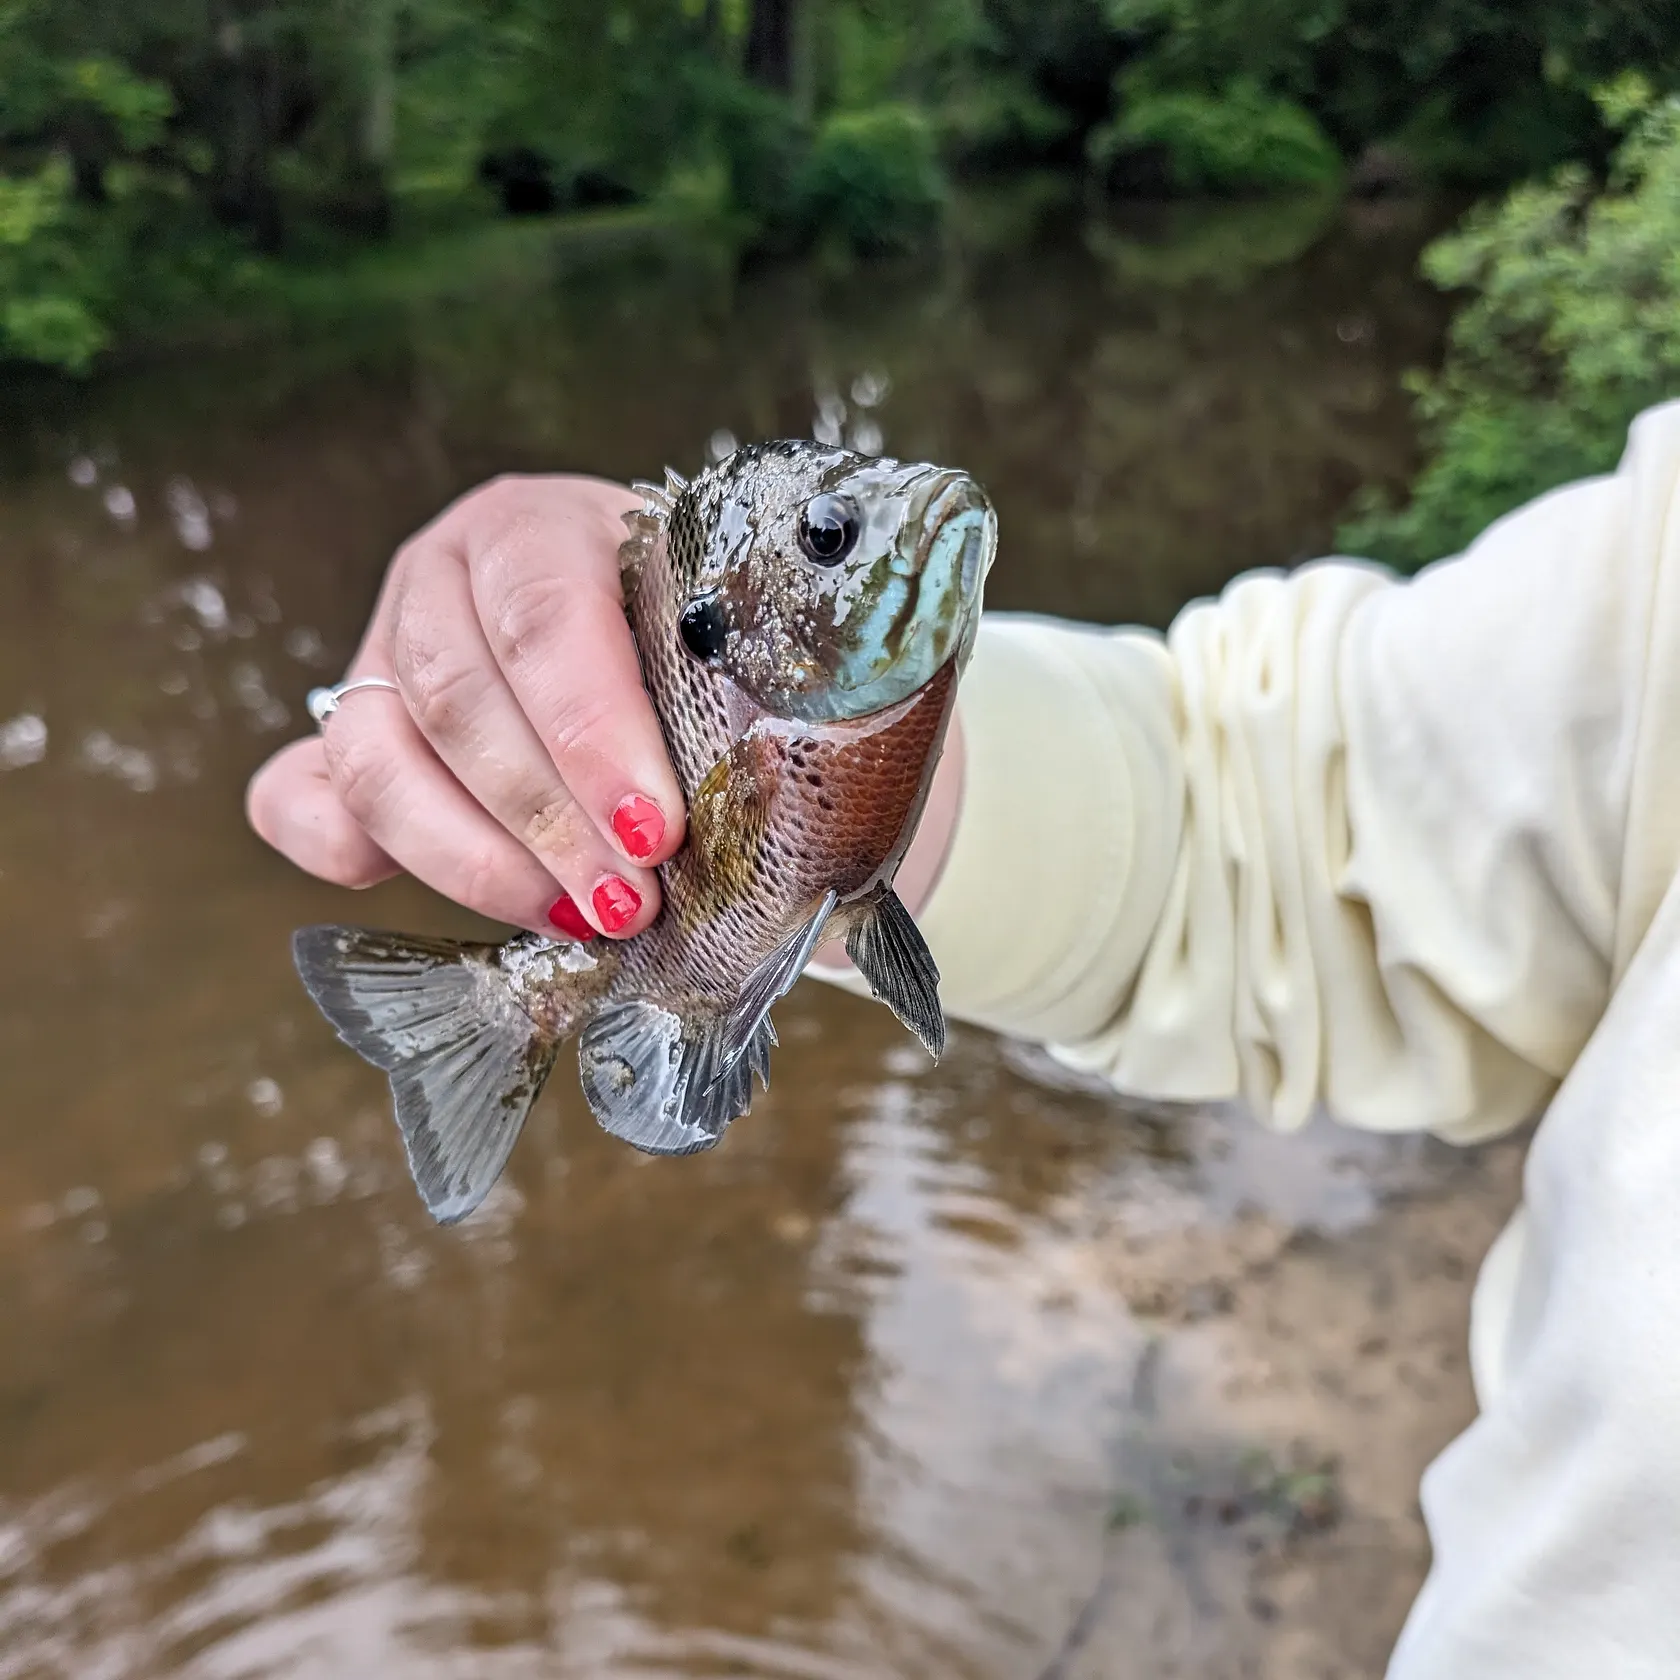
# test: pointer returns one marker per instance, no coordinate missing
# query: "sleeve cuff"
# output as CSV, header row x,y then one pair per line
x,y
1045,906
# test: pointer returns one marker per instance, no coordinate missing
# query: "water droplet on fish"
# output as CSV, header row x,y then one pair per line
x,y
869,389
829,419
867,438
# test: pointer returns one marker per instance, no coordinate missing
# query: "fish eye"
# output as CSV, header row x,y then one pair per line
x,y
828,529
703,629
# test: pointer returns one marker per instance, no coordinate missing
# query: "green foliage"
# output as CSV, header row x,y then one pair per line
x,y
174,159
50,303
963,63
872,183
1000,119
1571,326
762,145
1241,139
1476,92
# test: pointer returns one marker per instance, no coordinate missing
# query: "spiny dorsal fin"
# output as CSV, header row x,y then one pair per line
x,y
892,956
465,1061
656,503
675,483
644,525
671,1085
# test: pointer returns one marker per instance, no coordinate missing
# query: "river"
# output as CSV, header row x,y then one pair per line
x,y
925,1372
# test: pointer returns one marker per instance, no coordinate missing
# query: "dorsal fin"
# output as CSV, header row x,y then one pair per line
x,y
675,483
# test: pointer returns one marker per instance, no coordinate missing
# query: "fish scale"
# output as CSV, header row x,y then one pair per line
x,y
801,615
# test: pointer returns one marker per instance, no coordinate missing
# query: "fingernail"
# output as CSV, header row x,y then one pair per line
x,y
639,826
616,902
570,920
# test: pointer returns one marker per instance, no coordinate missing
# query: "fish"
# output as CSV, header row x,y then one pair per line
x,y
802,614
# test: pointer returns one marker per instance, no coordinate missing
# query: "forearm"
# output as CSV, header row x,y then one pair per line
x,y
1337,839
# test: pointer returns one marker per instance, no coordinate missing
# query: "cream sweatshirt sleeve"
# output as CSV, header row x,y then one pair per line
x,y
1338,837
1406,849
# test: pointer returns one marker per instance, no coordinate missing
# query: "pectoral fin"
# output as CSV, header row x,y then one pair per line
x,y
671,1085
890,953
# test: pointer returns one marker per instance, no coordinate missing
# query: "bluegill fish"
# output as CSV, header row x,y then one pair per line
x,y
801,615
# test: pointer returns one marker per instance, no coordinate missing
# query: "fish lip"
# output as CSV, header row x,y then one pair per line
x,y
892,707
949,491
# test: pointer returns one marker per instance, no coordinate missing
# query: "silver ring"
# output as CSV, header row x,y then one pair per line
x,y
323,702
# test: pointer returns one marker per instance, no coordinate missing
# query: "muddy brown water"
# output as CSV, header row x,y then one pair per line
x,y
925,1372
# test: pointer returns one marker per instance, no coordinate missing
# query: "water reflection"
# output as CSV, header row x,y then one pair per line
x,y
852,1396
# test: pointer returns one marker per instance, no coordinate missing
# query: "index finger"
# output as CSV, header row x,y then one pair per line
x,y
545,580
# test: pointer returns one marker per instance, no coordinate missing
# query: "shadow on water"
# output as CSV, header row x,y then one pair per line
x,y
883,1385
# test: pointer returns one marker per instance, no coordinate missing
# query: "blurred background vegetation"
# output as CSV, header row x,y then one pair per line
x,y
174,172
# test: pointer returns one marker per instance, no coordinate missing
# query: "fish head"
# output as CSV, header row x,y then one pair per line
x,y
828,585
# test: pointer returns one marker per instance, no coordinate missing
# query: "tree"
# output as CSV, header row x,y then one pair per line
x,y
770,44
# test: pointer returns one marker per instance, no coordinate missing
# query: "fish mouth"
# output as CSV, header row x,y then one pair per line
x,y
956,541
950,509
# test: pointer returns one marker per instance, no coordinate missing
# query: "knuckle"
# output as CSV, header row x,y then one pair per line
x,y
441,685
361,772
578,720
481,880
557,828
502,488
531,606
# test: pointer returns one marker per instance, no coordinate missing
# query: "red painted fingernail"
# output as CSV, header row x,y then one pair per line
x,y
570,920
639,826
616,902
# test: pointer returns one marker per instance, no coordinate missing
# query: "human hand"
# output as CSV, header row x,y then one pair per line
x,y
521,770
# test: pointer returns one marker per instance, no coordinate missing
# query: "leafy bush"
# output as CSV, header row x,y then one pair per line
x,y
1572,326
1475,92
872,182
51,296
763,144
1241,139
999,119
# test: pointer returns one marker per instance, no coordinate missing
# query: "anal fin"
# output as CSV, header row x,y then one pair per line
x,y
890,953
669,1085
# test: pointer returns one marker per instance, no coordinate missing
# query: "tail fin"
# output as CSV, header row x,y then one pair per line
x,y
466,1062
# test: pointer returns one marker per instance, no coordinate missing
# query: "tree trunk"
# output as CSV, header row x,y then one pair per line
x,y
379,116
770,39
87,170
367,198
242,193
807,31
